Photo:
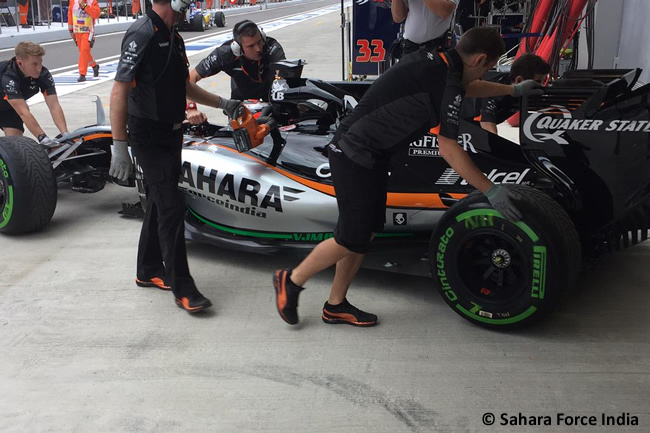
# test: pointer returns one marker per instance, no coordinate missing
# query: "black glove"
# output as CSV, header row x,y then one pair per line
x,y
528,88
501,199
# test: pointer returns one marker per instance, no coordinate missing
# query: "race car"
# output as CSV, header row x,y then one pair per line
x,y
582,169
199,19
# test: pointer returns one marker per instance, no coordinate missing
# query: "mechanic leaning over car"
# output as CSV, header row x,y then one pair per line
x,y
425,89
149,96
498,109
22,77
247,59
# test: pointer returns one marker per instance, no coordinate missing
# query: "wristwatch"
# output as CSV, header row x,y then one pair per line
x,y
190,106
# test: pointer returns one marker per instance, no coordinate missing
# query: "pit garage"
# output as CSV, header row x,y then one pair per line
x,y
483,325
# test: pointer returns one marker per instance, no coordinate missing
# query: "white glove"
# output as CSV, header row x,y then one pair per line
x,y
121,165
502,200
45,141
230,107
527,88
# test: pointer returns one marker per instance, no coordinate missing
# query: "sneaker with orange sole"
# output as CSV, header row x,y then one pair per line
x,y
153,282
286,296
348,314
194,303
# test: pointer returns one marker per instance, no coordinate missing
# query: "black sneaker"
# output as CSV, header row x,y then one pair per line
x,y
96,71
286,296
81,78
347,313
153,282
193,303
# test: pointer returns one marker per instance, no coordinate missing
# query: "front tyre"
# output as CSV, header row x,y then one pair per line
x,y
28,190
220,19
504,275
198,23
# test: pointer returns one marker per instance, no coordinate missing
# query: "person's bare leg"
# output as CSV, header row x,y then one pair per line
x,y
346,270
322,257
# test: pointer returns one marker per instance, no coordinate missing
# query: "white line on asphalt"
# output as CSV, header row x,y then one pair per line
x,y
66,81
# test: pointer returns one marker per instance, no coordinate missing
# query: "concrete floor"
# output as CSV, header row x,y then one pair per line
x,y
82,349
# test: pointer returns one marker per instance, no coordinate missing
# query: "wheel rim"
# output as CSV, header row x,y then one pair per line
x,y
493,266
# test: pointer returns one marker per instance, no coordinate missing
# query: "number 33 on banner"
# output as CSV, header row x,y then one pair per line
x,y
368,54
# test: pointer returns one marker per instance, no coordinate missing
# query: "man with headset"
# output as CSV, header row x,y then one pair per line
x,y
247,59
149,96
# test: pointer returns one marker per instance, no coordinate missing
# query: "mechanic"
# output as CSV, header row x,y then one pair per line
x,y
497,110
149,96
81,24
425,88
426,22
22,77
247,59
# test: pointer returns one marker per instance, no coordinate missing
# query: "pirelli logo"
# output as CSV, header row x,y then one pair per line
x,y
539,272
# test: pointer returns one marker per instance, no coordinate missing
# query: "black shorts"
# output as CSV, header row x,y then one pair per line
x,y
11,119
361,199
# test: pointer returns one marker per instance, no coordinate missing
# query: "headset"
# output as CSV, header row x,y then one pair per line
x,y
236,34
180,6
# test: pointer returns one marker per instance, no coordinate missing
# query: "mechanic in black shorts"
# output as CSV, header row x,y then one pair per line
x,y
247,59
499,109
424,89
149,95
23,77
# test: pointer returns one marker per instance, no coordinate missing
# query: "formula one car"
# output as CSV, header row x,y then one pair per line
x,y
582,170
198,19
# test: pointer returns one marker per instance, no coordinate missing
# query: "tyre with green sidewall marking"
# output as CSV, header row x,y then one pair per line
x,y
504,275
28,191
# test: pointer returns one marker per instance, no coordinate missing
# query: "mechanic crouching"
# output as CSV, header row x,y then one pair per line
x,y
424,90
23,77
497,110
247,59
149,95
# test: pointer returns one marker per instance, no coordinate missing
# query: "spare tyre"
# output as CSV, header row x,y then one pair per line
x,y
28,191
500,274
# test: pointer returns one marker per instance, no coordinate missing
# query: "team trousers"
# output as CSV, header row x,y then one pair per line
x,y
161,251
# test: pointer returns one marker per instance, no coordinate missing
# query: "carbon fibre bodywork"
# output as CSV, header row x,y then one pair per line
x,y
280,196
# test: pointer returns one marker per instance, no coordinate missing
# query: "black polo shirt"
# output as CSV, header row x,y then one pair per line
x,y
15,85
250,79
501,108
159,76
423,91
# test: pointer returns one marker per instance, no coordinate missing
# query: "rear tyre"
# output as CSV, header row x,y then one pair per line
x,y
504,275
28,190
220,19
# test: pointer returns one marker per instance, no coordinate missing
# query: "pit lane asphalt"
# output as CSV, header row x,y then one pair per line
x,y
82,349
